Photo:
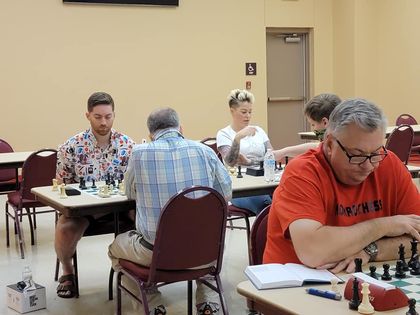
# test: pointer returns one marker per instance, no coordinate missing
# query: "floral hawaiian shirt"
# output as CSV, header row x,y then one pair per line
x,y
80,156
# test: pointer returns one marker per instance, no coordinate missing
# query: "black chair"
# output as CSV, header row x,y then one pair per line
x,y
400,142
38,170
194,252
234,213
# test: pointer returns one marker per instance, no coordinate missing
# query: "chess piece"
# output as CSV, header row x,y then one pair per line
x,y
63,194
121,188
372,272
286,161
82,184
358,263
415,269
412,307
334,287
365,307
399,272
413,253
93,184
239,172
104,191
355,300
279,167
401,253
55,184
386,275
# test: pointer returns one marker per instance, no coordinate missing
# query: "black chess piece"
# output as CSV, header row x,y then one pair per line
x,y
121,177
108,179
82,183
355,300
239,172
386,275
401,253
261,165
93,183
415,270
279,167
286,159
399,272
358,263
372,272
412,307
413,253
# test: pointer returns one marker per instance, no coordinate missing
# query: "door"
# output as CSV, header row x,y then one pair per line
x,y
287,86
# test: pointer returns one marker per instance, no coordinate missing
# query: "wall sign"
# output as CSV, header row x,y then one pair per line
x,y
251,68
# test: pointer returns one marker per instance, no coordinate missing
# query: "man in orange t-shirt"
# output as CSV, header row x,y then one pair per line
x,y
348,198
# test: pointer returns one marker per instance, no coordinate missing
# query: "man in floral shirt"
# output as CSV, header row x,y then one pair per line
x,y
93,154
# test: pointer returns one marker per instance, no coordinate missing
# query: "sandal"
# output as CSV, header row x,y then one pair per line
x,y
67,291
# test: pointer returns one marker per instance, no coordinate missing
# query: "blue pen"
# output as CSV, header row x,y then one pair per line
x,y
326,294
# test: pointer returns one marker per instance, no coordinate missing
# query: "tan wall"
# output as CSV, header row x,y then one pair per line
x,y
54,56
376,53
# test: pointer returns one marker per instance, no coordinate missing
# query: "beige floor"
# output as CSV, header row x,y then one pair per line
x,y
93,272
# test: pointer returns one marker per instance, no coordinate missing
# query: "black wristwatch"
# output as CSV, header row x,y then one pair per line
x,y
371,250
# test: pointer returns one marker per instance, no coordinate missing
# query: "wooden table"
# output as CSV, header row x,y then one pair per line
x,y
310,135
251,186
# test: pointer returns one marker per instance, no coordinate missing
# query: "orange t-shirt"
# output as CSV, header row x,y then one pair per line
x,y
309,190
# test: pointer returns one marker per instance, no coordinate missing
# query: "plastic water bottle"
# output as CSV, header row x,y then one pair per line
x,y
269,166
27,274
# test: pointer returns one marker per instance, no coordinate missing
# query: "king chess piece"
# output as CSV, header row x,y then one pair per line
x,y
413,253
401,255
386,275
355,299
412,307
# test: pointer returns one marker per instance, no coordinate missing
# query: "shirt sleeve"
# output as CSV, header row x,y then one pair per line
x,y
263,134
223,138
130,187
65,168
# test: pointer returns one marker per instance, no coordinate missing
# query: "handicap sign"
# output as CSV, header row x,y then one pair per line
x,y
251,68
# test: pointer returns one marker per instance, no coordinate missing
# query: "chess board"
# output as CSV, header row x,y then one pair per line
x,y
95,192
409,285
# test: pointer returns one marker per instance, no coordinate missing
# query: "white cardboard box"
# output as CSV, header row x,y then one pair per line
x,y
25,302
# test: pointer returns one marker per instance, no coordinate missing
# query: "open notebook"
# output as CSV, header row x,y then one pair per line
x,y
270,276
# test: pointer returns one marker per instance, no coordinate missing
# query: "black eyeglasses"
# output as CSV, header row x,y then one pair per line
x,y
360,159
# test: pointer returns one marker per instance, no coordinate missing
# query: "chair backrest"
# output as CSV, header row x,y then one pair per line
x,y
211,142
400,142
259,236
405,119
6,174
190,232
38,170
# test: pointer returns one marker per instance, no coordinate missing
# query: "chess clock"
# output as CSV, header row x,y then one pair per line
x,y
371,250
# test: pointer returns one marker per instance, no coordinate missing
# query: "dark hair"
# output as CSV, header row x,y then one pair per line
x,y
321,106
99,98
162,118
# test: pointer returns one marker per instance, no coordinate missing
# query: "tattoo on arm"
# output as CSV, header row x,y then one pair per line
x,y
232,156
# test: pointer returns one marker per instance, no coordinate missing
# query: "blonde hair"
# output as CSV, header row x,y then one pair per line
x,y
238,96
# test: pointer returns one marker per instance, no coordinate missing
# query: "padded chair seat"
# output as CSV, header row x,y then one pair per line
x,y
141,272
233,210
14,199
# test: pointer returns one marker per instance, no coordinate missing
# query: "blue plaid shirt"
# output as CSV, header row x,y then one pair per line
x,y
159,169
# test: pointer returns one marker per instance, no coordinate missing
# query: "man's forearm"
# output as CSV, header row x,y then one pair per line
x,y
388,247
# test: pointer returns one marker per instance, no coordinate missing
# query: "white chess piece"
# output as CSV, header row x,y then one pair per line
x,y
334,286
63,194
365,307
121,188
55,184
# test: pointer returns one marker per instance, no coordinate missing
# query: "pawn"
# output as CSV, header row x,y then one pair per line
x,y
365,307
63,194
386,275
358,263
372,272
93,184
334,287
239,172
412,307
399,272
